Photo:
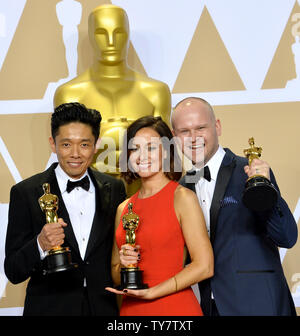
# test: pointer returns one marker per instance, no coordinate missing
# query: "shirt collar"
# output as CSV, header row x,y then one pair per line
x,y
215,162
62,178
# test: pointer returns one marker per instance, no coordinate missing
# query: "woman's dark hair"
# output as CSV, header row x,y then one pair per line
x,y
171,164
75,112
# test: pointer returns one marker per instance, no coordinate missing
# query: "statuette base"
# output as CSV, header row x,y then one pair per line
x,y
259,194
132,278
59,260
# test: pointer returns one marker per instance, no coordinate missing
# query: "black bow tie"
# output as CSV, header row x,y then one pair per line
x,y
204,172
83,183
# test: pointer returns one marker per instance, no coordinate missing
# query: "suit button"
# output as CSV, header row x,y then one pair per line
x,y
87,262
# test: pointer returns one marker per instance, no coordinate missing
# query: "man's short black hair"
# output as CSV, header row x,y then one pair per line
x,y
75,112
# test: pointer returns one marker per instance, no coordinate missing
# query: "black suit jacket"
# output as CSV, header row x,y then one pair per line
x,y
248,277
62,293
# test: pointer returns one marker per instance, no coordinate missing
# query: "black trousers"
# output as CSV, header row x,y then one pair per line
x,y
214,309
85,308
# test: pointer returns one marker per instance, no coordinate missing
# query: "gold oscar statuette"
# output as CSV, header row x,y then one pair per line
x,y
110,85
59,257
259,193
131,276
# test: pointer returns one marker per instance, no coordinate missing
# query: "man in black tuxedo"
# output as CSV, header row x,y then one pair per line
x,y
86,209
248,276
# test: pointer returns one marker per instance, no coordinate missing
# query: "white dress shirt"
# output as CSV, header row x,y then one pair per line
x,y
80,205
204,189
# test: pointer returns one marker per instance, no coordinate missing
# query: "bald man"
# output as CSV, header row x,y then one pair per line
x,y
248,277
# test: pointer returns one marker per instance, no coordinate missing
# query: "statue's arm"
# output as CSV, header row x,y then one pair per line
x,y
65,94
72,91
160,96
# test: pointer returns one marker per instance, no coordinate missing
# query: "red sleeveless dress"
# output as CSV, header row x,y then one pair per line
x,y
162,251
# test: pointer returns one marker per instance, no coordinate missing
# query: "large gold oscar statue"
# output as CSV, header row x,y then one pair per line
x,y
120,93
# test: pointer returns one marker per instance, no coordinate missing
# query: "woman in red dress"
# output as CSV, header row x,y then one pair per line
x,y
171,223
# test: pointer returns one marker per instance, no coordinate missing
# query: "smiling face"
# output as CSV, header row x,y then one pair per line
x,y
109,33
197,129
146,153
75,148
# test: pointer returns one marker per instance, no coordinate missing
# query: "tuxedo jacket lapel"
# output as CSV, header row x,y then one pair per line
x,y
103,199
223,178
62,212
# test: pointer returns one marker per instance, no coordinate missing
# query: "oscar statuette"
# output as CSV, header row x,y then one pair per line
x,y
259,194
59,257
131,276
